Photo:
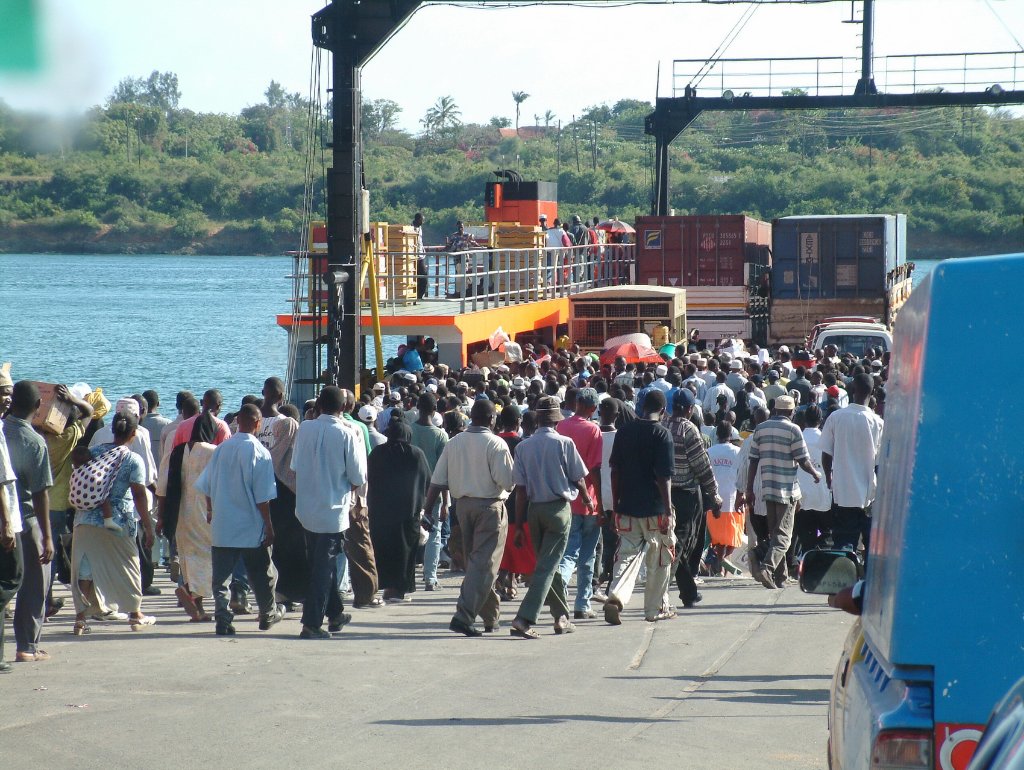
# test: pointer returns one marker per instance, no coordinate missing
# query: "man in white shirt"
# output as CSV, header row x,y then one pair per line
x,y
329,460
850,442
719,388
660,372
11,568
814,518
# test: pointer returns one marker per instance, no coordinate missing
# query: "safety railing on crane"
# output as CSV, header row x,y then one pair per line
x,y
963,72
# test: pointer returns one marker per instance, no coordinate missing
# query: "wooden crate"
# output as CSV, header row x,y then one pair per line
x,y
791,320
515,236
379,238
400,264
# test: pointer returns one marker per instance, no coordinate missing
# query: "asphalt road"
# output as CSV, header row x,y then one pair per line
x,y
740,682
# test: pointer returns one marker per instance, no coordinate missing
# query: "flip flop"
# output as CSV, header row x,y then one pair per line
x,y
529,633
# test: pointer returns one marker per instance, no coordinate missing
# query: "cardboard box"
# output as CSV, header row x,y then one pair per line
x,y
53,413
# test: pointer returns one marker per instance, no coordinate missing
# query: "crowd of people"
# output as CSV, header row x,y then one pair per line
x,y
714,462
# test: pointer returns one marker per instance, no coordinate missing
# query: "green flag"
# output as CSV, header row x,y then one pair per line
x,y
19,35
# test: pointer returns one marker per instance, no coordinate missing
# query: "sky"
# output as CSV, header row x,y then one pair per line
x,y
567,58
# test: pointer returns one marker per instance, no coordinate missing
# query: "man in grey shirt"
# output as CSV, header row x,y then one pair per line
x,y
475,467
551,473
31,463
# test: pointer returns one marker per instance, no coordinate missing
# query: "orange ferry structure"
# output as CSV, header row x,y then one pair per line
x,y
511,281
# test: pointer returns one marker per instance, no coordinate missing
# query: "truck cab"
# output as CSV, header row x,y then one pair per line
x,y
940,636
850,335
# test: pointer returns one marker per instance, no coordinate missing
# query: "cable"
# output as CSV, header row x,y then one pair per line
x,y
1004,24
727,41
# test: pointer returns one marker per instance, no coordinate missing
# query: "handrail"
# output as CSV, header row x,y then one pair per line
x,y
481,279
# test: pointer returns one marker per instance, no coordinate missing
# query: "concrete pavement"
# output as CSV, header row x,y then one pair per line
x,y
741,681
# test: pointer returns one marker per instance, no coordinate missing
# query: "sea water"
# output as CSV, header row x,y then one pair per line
x,y
128,323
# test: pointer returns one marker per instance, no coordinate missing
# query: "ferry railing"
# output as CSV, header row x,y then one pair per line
x,y
481,279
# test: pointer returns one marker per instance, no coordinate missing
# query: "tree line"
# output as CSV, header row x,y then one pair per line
x,y
141,165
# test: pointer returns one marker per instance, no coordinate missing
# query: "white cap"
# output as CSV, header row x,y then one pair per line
x,y
368,413
379,387
736,365
437,420
661,370
783,348
432,387
518,383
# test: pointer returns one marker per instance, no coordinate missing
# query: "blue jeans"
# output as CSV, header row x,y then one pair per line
x,y
432,550
579,553
323,597
344,584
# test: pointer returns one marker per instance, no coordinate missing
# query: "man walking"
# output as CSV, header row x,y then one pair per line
x,y
777,447
239,484
694,490
362,562
550,474
642,466
431,440
10,520
850,442
581,549
329,461
31,463
476,469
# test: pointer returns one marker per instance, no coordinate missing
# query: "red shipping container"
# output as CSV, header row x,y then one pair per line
x,y
700,250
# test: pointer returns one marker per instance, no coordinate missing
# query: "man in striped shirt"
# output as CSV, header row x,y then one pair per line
x,y
778,448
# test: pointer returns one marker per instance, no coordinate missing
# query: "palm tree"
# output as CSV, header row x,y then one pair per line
x,y
444,116
549,118
519,97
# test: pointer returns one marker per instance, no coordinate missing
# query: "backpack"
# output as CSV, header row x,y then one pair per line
x,y
92,482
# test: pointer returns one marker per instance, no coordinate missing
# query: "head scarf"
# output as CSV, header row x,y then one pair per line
x,y
127,406
5,376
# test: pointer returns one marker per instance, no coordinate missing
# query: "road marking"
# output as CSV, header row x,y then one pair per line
x,y
645,645
707,674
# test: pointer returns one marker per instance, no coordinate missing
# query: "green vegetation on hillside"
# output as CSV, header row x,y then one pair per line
x,y
141,173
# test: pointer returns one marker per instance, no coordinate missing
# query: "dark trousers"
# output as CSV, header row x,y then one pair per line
x,y
262,576
322,596
810,529
35,582
848,526
11,570
690,531
145,559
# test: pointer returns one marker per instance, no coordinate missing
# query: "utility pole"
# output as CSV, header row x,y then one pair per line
x,y
558,152
575,144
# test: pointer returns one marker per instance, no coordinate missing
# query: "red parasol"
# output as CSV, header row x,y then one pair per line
x,y
633,353
615,226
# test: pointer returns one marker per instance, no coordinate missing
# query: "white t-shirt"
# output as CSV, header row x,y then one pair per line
x,y
725,465
266,432
814,497
7,489
853,436
607,442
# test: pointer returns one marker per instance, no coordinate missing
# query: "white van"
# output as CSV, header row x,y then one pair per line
x,y
850,336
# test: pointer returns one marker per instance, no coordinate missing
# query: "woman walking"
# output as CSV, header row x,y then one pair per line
x,y
397,480
182,516
105,569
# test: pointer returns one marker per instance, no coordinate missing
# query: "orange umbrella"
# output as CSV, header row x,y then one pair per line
x,y
633,353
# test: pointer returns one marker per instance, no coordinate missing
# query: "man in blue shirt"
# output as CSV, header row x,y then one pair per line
x,y
239,484
329,460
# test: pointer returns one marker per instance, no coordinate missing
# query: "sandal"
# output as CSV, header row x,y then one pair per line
x,y
81,628
527,633
141,622
187,603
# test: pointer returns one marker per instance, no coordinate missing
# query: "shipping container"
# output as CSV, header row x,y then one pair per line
x,y
718,311
791,320
701,250
836,257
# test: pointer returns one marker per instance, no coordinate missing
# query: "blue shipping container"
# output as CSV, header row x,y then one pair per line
x,y
842,256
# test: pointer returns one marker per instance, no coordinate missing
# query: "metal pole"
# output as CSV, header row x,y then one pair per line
x,y
866,85
343,200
